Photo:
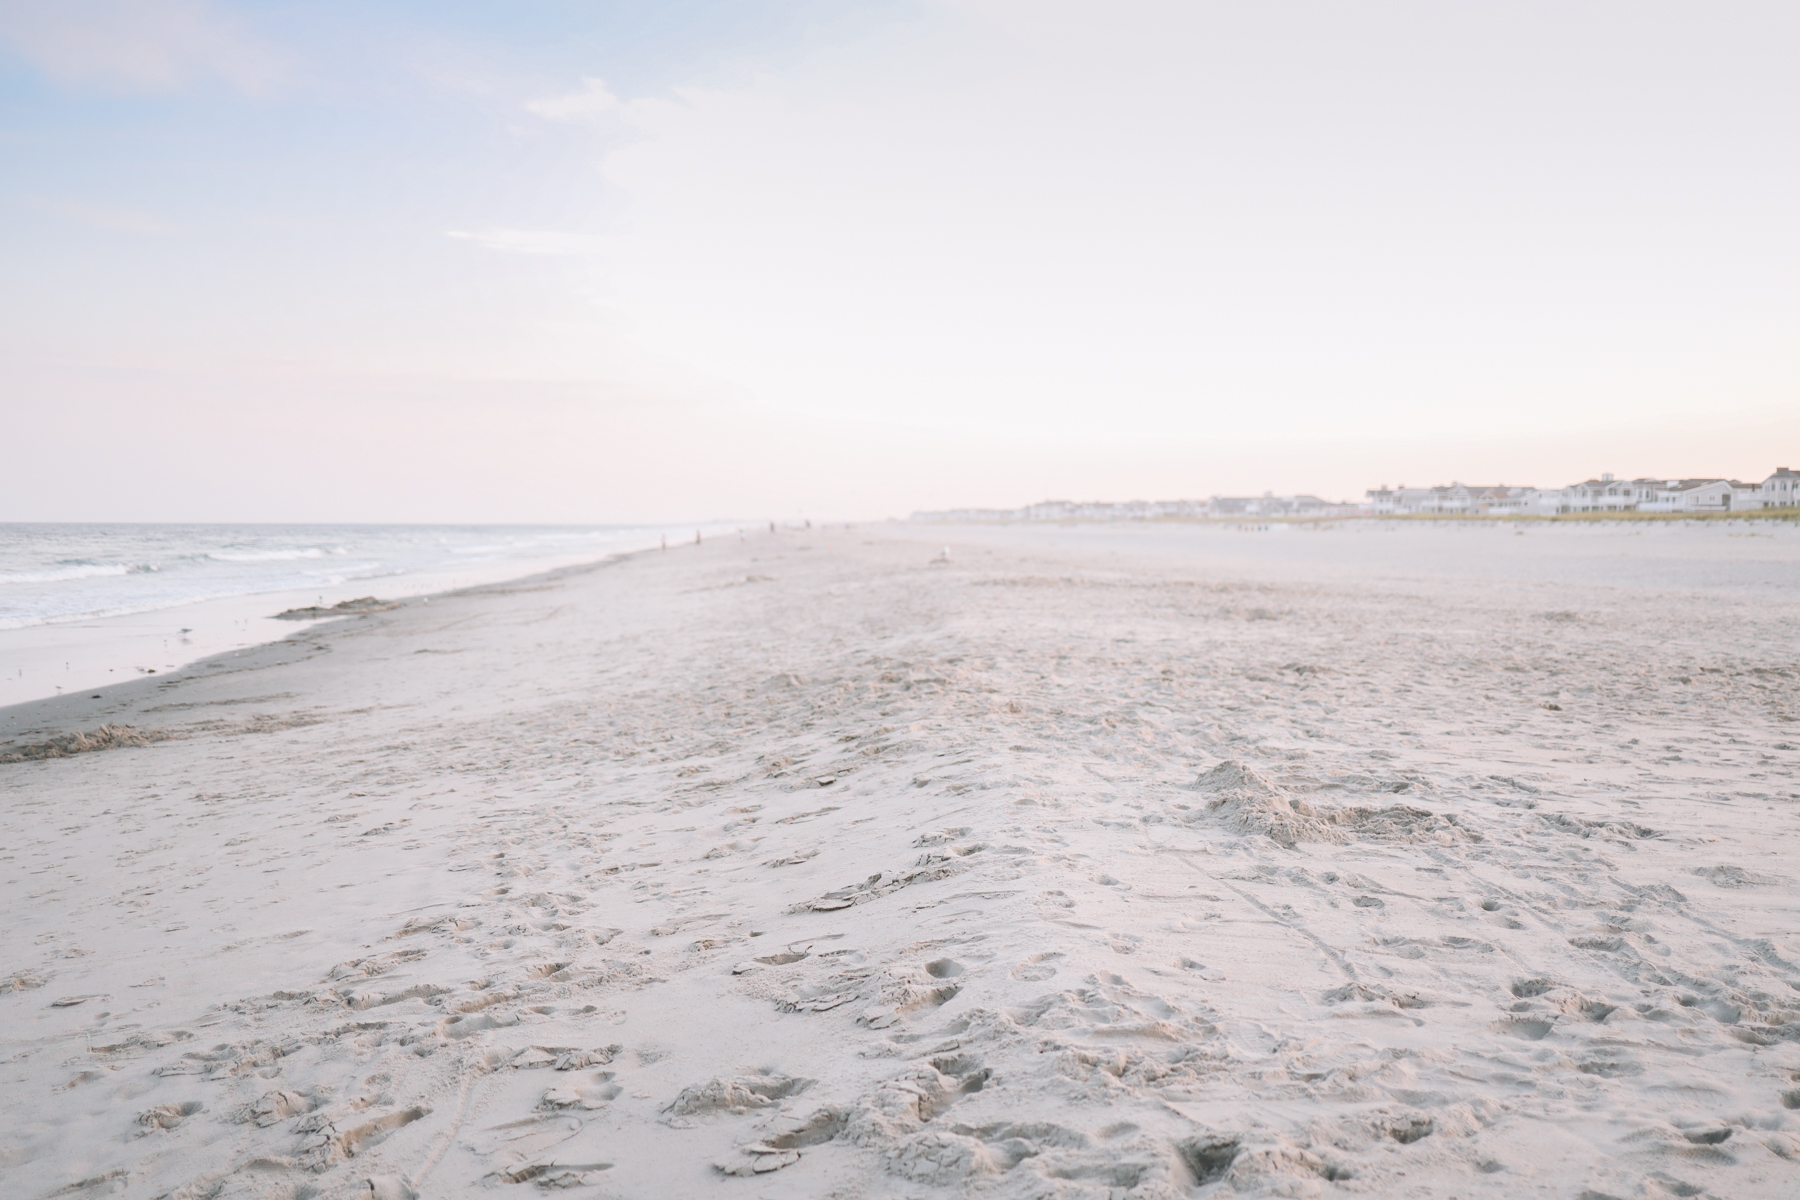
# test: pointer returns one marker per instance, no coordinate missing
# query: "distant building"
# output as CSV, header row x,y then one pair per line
x,y
1693,495
1270,505
1704,494
1700,495
1455,499
1780,490
1605,494
1241,507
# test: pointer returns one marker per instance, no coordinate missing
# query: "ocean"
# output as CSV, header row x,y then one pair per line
x,y
86,605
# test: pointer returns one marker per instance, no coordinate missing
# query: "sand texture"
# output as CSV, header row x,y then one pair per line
x,y
1080,863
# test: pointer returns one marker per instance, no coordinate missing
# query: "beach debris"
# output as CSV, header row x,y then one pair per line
x,y
106,737
343,608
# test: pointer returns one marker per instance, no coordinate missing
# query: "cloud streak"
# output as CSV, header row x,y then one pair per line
x,y
591,104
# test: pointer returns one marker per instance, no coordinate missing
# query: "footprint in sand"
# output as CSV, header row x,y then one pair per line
x,y
525,1138
593,1095
167,1116
554,1175
735,1095
275,1107
1037,968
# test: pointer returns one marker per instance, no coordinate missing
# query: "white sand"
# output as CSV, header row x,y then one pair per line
x,y
1145,863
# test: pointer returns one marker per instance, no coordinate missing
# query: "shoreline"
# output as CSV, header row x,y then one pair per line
x,y
44,717
91,653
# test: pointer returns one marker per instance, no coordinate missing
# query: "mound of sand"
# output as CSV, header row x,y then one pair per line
x,y
106,737
343,608
1243,800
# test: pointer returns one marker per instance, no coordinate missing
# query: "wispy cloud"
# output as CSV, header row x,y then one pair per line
x,y
103,216
534,241
591,104
139,45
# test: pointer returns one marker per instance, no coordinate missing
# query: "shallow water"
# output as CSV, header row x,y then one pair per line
x,y
52,573
84,606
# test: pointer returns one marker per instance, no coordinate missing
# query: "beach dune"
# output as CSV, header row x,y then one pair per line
x,y
1067,863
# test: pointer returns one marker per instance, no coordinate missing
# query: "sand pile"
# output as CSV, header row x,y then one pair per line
x,y
343,608
106,737
1242,800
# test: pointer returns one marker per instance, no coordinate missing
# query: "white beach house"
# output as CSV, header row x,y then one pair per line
x,y
1781,490
1704,496
1607,494
1457,498
1270,505
1708,494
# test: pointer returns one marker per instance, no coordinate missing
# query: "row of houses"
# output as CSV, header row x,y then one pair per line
x,y
1605,494
1266,505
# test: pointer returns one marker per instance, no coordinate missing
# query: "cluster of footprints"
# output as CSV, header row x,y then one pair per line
x,y
1419,974
372,1078
438,1049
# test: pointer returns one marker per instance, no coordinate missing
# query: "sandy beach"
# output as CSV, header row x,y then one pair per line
x,y
1385,859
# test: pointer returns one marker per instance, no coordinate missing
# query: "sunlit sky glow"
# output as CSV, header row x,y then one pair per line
x,y
549,260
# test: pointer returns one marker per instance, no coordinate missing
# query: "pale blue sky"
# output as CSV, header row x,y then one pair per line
x,y
560,261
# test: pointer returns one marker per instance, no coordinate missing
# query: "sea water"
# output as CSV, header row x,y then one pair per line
x,y
83,606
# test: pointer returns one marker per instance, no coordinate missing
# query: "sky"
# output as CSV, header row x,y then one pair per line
x,y
646,260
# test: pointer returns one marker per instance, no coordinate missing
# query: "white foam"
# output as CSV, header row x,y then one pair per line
x,y
73,571
95,604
